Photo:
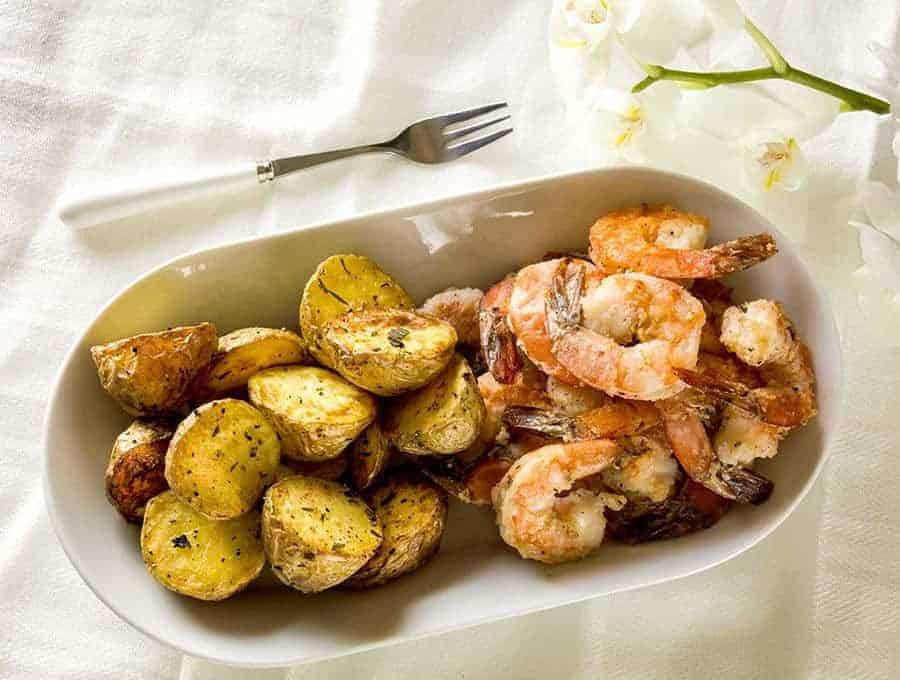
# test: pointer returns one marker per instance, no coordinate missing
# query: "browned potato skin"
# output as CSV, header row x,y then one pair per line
x,y
149,374
387,352
442,418
369,456
413,513
136,469
243,353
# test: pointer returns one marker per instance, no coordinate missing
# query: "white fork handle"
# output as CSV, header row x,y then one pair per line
x,y
136,199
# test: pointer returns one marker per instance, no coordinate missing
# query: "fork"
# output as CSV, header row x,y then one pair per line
x,y
439,139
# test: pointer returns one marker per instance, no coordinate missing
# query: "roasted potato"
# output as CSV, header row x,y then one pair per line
x,y
316,412
443,417
341,284
369,455
332,469
412,512
196,556
221,458
136,469
317,533
242,353
149,374
387,351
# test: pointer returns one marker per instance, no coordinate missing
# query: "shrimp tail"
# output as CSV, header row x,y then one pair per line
x,y
498,344
745,485
740,254
556,425
693,508
564,299
500,351
791,406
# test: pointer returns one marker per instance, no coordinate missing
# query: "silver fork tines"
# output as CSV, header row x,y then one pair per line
x,y
432,140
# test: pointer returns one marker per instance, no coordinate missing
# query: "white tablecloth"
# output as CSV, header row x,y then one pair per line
x,y
94,90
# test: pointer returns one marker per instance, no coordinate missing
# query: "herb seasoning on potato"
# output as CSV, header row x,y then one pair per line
x,y
316,412
387,352
222,457
341,284
442,418
196,556
317,533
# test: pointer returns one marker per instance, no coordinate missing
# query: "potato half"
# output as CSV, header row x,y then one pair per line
x,y
136,469
341,284
443,417
222,457
413,513
317,533
387,351
369,456
196,556
316,412
243,353
149,374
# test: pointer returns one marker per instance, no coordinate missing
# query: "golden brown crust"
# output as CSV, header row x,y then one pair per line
x,y
149,374
369,456
136,469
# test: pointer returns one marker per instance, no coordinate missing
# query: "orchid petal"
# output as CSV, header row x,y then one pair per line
x,y
882,206
661,28
881,254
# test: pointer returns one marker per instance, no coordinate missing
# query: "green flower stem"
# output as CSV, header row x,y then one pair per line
x,y
779,69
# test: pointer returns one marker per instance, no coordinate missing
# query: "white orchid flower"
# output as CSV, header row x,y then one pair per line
x,y
773,161
891,83
582,32
635,127
879,238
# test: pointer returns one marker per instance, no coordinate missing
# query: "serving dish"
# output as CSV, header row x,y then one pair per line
x,y
475,577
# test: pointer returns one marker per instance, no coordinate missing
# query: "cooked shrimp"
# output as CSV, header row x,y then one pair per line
x,y
646,469
458,307
626,334
662,241
741,438
573,400
527,314
539,511
757,332
498,344
761,335
693,449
